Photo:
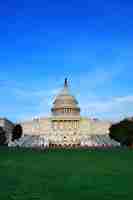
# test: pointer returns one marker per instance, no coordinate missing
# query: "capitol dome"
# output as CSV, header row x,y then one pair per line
x,y
65,103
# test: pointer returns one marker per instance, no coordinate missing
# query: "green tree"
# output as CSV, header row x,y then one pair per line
x,y
17,132
2,136
122,132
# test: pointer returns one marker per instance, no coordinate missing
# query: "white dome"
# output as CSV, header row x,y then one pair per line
x,y
65,100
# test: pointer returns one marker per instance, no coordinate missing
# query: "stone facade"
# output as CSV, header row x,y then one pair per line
x,y
65,131
65,125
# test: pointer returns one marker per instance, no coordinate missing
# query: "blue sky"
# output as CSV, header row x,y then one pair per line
x,y
90,42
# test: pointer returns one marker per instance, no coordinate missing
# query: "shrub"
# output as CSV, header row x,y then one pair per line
x,y
17,132
2,136
122,132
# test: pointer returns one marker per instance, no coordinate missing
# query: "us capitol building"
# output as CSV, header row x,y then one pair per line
x,y
65,126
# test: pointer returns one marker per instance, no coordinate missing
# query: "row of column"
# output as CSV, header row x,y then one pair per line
x,y
67,110
70,124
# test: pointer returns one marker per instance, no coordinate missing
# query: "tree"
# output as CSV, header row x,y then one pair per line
x,y
122,132
2,136
17,132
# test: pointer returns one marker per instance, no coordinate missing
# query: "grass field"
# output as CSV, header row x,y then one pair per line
x,y
66,174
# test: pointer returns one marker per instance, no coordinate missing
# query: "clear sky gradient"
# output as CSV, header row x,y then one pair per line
x,y
44,41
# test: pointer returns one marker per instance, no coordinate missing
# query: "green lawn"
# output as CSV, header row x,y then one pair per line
x,y
66,174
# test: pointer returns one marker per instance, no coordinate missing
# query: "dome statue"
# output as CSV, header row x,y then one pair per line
x,y
65,103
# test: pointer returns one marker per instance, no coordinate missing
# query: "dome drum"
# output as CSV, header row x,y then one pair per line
x,y
65,111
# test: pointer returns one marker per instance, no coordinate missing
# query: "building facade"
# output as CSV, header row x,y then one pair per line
x,y
66,126
7,126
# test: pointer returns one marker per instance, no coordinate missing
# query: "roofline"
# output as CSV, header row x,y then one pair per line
x,y
4,118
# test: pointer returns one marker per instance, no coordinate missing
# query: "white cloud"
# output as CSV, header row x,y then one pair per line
x,y
125,99
117,107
